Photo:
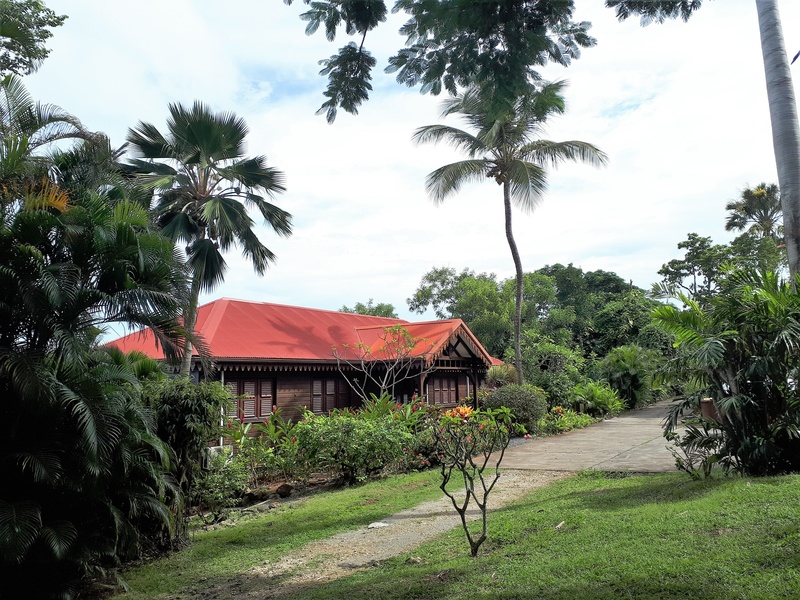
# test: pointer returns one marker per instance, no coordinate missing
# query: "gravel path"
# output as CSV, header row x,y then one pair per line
x,y
346,552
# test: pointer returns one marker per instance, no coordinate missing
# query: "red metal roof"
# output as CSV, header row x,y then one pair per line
x,y
242,330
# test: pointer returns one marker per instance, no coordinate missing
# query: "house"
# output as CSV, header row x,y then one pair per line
x,y
274,356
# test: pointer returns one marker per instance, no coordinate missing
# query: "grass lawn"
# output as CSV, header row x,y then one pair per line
x,y
233,549
656,536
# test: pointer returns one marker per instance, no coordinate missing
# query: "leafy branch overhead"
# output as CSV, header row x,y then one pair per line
x,y
448,44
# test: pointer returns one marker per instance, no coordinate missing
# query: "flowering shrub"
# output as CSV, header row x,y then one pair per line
x,y
561,419
459,412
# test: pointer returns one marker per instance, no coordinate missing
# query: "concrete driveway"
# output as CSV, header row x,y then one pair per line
x,y
631,442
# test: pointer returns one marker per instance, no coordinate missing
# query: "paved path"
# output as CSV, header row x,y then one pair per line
x,y
632,442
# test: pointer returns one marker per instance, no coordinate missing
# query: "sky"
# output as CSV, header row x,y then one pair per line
x,y
679,108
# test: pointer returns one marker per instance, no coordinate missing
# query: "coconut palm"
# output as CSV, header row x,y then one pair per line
x,y
780,95
204,185
506,147
758,211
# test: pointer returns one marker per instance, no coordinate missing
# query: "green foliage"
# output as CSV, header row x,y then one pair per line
x,y
466,440
758,211
599,398
555,369
629,370
221,487
24,28
187,419
527,403
742,351
376,310
351,447
620,321
560,420
494,45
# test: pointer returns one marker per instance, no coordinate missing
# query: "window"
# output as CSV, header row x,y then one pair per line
x,y
327,394
254,398
443,390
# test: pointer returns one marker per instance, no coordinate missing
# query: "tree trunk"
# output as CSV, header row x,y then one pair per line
x,y
518,296
785,128
189,321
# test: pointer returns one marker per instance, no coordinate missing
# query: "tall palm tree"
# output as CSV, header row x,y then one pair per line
x,y
204,186
780,95
506,147
758,210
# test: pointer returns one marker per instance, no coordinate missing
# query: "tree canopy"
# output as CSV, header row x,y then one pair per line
x,y
25,26
449,44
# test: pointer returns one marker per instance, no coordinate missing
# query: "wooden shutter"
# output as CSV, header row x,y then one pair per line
x,y
266,398
316,396
330,394
233,389
249,400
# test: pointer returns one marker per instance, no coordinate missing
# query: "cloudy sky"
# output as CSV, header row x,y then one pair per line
x,y
680,109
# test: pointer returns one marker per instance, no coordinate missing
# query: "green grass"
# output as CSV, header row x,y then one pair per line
x,y
658,536
214,555
644,537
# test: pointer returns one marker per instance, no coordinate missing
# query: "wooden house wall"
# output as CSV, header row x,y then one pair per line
x,y
293,392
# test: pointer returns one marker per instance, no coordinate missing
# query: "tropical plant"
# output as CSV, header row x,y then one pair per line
x,y
500,375
560,420
598,398
758,211
505,147
780,95
83,472
742,351
554,368
629,370
204,185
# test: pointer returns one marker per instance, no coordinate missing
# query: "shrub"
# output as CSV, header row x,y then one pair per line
x,y
222,485
599,398
561,419
349,446
527,403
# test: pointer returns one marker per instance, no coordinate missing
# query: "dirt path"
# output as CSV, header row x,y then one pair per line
x,y
344,553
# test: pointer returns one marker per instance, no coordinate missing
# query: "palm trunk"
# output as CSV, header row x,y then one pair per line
x,y
518,297
189,321
785,127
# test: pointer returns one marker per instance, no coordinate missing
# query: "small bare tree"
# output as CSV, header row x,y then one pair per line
x,y
395,357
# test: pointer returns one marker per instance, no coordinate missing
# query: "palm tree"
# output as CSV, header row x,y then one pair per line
x,y
505,147
760,209
204,185
780,94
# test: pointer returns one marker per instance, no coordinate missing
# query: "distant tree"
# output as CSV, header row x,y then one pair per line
x,y
780,96
507,148
204,185
698,273
24,28
495,45
620,321
757,211
376,310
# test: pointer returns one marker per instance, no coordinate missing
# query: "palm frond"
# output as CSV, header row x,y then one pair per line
x,y
448,179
